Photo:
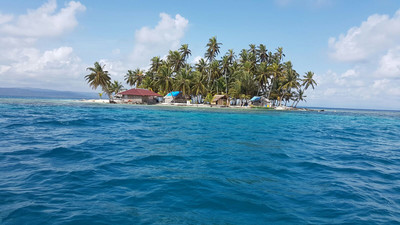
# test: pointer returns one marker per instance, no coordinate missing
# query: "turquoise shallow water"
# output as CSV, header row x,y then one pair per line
x,y
65,162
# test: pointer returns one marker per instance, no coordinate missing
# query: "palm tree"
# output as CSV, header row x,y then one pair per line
x,y
276,72
148,83
214,72
244,56
175,60
220,85
262,53
201,66
252,49
309,80
231,56
235,89
134,77
130,78
185,51
291,80
116,87
226,65
249,85
212,49
300,97
155,64
279,54
183,81
263,76
164,79
270,58
198,84
248,66
98,77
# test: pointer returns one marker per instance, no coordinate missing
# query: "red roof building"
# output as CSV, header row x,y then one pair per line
x,y
139,96
139,92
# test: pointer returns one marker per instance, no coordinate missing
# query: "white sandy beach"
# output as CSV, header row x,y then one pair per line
x,y
106,101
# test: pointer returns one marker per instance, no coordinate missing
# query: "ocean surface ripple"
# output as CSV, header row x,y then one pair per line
x,y
66,162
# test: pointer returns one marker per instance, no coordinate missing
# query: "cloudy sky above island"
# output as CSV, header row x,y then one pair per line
x,y
352,46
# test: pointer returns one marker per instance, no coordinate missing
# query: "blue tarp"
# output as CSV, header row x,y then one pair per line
x,y
255,98
174,93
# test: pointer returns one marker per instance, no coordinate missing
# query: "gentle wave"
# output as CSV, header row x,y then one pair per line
x,y
66,162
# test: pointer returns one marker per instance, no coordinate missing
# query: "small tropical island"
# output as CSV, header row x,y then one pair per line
x,y
255,77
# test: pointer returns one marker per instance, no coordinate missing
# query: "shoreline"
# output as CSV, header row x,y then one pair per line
x,y
206,106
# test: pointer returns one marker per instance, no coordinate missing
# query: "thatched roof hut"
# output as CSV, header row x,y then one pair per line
x,y
220,100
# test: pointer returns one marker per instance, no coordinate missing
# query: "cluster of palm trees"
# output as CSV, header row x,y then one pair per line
x,y
253,72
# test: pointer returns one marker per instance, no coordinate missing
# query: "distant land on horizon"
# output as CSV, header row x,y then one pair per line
x,y
45,93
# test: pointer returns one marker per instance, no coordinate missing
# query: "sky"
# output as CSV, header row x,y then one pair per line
x,y
353,47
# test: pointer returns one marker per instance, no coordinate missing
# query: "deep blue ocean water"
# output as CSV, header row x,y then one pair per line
x,y
67,162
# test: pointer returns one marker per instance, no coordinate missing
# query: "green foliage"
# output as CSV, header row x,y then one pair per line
x,y
183,82
255,71
134,77
209,98
115,87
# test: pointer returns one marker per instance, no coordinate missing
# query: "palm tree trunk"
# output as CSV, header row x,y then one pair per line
x,y
280,99
270,88
110,97
226,81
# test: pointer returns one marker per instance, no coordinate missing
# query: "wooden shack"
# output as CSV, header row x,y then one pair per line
x,y
260,101
175,97
220,100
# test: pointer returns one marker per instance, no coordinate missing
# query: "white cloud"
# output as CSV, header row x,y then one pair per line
x,y
375,35
58,68
350,73
389,65
149,42
380,84
196,59
355,88
32,60
5,18
116,68
372,52
166,35
348,79
23,64
4,68
44,21
330,92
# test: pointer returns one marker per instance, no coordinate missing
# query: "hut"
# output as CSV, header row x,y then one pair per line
x,y
260,101
139,96
220,100
175,97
